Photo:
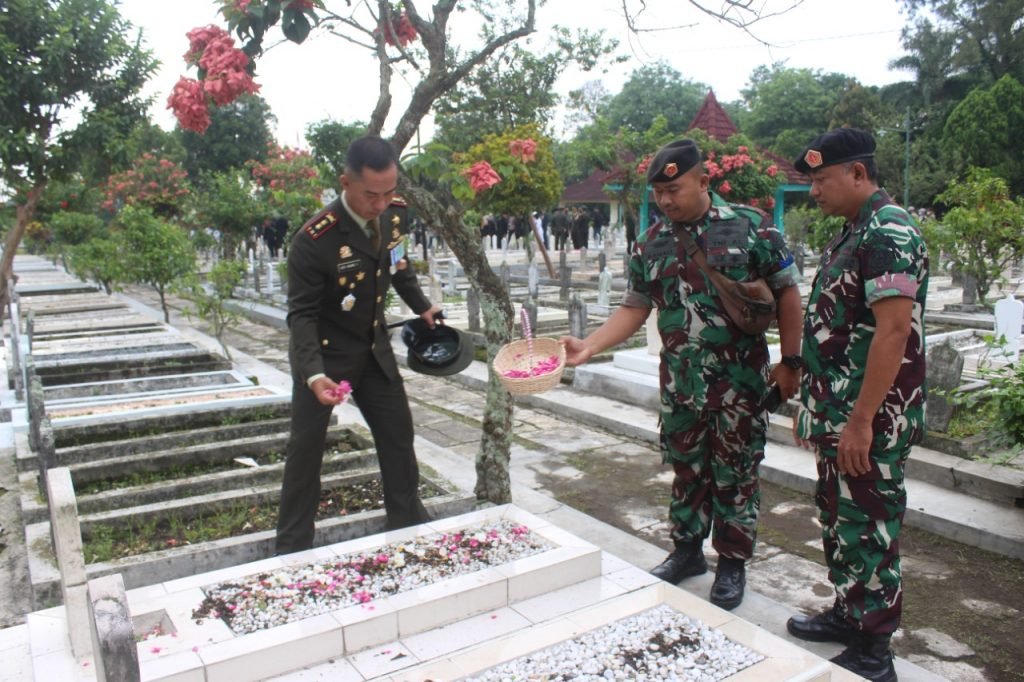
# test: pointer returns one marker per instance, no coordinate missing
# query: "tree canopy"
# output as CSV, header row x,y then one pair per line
x,y
62,62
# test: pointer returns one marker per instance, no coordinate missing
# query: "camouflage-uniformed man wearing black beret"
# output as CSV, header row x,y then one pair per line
x,y
863,395
340,266
714,376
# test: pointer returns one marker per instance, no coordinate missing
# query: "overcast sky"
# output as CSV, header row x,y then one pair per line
x,y
329,78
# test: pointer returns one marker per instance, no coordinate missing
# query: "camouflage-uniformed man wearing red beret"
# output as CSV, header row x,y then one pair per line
x,y
714,376
863,395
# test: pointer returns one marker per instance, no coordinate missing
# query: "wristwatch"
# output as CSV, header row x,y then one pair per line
x,y
792,361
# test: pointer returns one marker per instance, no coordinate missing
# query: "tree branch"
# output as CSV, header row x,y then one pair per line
x,y
741,14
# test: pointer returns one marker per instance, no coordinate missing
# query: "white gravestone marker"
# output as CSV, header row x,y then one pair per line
x,y
1009,318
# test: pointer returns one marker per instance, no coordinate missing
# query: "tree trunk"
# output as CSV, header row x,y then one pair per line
x,y
492,460
25,213
163,303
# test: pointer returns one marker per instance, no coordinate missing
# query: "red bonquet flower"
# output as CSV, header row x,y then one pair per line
x,y
524,150
481,176
403,29
226,77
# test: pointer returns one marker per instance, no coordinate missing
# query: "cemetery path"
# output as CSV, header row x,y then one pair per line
x,y
963,606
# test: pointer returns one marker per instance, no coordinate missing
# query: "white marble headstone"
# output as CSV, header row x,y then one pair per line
x,y
604,287
1009,318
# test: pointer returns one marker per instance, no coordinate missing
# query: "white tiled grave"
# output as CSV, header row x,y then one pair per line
x,y
211,651
782,660
454,628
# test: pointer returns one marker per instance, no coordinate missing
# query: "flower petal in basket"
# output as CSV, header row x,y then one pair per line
x,y
523,373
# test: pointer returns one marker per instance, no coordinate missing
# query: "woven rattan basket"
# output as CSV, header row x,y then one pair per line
x,y
515,355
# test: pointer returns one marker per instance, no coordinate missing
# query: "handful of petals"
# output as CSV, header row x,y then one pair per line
x,y
341,391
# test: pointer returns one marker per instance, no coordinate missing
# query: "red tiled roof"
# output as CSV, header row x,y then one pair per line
x,y
712,119
588,191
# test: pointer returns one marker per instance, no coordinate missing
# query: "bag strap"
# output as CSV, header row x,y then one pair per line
x,y
694,251
725,286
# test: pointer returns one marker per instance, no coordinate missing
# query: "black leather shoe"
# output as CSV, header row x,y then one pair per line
x,y
730,579
686,560
870,657
830,626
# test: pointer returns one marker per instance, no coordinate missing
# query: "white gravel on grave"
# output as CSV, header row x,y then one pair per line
x,y
659,644
274,598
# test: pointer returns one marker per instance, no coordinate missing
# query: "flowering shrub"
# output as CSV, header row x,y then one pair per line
x,y
738,171
223,77
288,183
286,168
155,183
518,169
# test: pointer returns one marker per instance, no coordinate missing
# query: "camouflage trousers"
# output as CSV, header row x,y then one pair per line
x,y
861,518
715,455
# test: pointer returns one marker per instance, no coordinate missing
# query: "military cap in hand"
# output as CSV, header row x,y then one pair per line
x,y
673,160
836,146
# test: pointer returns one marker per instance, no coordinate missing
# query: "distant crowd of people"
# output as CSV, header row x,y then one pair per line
x,y
573,227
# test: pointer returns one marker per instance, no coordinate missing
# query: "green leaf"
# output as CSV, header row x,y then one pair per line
x,y
295,26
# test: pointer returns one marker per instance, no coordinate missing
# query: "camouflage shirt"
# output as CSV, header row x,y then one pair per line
x,y
882,255
706,361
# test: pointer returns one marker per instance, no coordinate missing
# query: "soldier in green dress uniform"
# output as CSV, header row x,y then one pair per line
x,y
340,267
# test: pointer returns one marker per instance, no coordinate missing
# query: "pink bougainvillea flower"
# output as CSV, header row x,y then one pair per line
x,y
481,176
644,164
725,187
545,366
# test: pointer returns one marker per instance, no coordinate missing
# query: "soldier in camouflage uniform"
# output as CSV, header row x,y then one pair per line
x,y
863,395
714,377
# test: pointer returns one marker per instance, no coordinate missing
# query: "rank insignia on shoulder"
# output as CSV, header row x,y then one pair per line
x,y
395,220
395,234
317,226
398,201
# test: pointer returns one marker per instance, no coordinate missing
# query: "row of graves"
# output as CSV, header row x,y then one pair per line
x,y
137,444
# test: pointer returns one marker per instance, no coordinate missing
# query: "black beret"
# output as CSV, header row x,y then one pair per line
x,y
836,146
673,160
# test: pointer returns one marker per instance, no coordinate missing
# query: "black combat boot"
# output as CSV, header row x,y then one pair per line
x,y
730,579
870,657
830,626
686,560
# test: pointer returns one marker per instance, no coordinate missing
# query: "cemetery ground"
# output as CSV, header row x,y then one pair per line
x,y
963,606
